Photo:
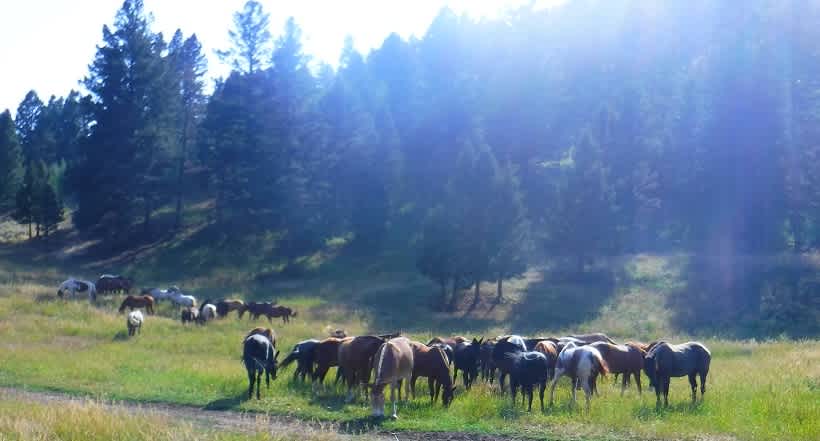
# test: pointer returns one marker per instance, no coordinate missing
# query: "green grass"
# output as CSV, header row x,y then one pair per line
x,y
756,390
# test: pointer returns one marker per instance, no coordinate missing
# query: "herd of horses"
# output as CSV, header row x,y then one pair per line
x,y
395,361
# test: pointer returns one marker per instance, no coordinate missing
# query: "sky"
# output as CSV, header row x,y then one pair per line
x,y
47,45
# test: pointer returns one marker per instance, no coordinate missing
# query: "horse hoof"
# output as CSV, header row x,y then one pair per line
x,y
394,417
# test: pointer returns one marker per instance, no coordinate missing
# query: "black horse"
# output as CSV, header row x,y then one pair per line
x,y
665,361
485,360
259,354
303,354
510,344
528,369
466,359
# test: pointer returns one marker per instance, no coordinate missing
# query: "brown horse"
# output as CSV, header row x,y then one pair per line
x,y
327,356
267,332
393,363
113,283
433,364
132,302
550,350
624,359
223,307
269,310
356,360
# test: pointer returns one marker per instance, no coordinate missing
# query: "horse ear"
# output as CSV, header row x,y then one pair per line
x,y
481,340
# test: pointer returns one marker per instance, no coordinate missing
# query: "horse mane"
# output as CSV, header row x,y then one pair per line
x,y
382,350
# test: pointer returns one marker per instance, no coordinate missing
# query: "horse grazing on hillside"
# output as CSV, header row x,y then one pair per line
x,y
72,286
223,307
157,293
259,355
528,369
269,310
466,356
507,344
626,359
393,363
189,315
133,302
180,299
356,360
582,364
326,355
114,283
431,362
303,354
134,322
665,360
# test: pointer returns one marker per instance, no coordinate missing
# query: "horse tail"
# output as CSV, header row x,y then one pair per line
x,y
602,366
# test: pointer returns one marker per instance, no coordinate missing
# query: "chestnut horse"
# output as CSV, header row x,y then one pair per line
x,y
356,360
326,356
133,302
450,341
394,364
431,362
550,351
624,359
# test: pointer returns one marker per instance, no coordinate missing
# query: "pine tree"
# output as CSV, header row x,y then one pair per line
x,y
52,209
24,206
26,120
10,161
251,39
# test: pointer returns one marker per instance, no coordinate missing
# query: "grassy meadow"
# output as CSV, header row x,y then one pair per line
x,y
756,390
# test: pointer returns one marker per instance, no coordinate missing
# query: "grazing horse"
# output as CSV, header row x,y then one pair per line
x,y
73,286
132,302
326,356
114,283
582,364
394,364
157,294
303,354
507,344
665,361
189,315
182,300
356,360
448,351
223,307
528,369
134,322
466,360
207,312
592,338
258,355
265,332
550,351
485,360
431,362
626,359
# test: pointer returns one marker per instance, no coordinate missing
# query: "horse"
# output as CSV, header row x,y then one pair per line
x,y
550,351
265,332
189,315
180,299
394,364
258,355
207,312
114,283
451,341
532,341
270,310
157,294
593,338
326,356
431,362
223,307
448,351
356,360
485,360
134,322
626,359
466,359
582,364
303,354
132,302
528,369
72,286
506,345
665,360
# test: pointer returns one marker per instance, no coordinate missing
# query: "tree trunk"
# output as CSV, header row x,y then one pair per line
x,y
37,229
442,300
499,289
476,295
452,306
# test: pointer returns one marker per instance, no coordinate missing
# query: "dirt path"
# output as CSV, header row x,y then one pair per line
x,y
233,421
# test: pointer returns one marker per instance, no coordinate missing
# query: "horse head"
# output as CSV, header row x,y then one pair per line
x,y
447,395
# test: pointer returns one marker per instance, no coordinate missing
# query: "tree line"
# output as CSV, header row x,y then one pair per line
x,y
590,129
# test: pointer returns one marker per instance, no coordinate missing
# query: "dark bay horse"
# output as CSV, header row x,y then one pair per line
x,y
133,302
507,344
304,354
528,369
485,360
223,307
326,356
466,356
626,359
665,360
259,355
108,283
431,362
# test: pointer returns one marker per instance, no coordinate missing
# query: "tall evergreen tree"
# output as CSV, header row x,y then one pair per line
x,y
26,120
11,170
251,39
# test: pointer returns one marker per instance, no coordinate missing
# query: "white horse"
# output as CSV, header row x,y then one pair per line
x,y
582,364
183,300
72,286
134,322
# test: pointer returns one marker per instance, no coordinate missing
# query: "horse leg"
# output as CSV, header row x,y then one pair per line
x,y
554,382
623,383
393,386
455,375
638,380
251,378
541,387
432,387
514,390
501,377
703,383
666,381
693,383
658,390
258,383
587,393
407,390
574,388
529,396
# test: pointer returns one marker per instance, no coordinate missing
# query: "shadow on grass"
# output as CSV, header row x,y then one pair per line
x,y
227,403
120,336
646,413
361,425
